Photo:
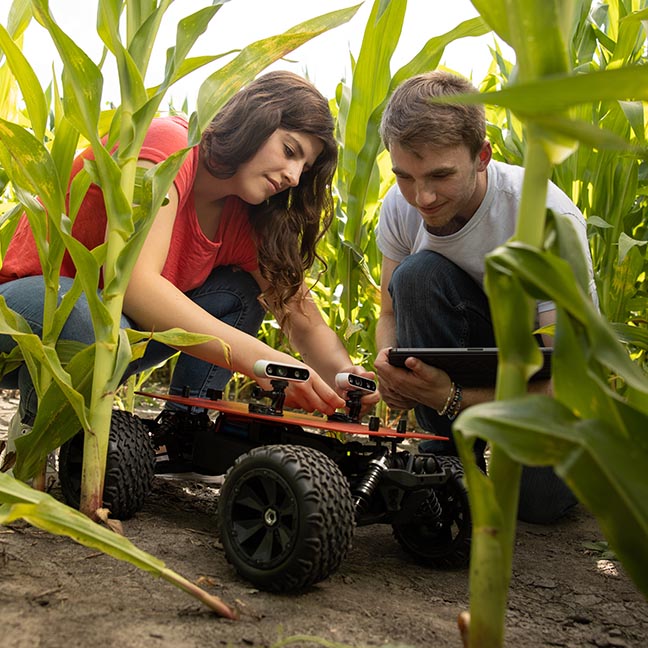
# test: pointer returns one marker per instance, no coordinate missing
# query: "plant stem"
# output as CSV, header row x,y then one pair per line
x,y
494,521
532,210
95,446
211,601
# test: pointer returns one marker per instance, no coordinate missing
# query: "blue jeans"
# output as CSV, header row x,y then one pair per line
x,y
228,294
437,304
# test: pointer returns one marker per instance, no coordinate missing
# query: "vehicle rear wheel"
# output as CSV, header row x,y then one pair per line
x,y
439,535
286,517
129,466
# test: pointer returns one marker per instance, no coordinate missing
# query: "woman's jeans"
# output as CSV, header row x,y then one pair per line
x,y
437,304
229,294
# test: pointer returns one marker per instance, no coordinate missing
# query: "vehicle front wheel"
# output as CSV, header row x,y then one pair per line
x,y
286,517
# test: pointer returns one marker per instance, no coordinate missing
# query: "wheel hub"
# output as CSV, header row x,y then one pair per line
x,y
270,517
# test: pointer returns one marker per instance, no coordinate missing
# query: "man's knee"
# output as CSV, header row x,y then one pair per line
x,y
411,270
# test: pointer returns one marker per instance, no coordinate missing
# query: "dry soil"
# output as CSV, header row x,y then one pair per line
x,y
55,593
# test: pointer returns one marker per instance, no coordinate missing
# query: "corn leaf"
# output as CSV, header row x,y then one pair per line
x,y
222,84
30,166
537,430
43,511
142,28
32,93
551,278
562,91
81,78
20,16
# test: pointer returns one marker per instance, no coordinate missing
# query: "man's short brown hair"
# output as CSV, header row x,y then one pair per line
x,y
412,120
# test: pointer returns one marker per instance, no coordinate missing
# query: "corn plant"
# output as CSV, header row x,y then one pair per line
x,y
609,188
348,293
91,376
594,437
76,384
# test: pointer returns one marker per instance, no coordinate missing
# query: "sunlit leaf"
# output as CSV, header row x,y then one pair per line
x,y
222,84
560,92
82,79
28,81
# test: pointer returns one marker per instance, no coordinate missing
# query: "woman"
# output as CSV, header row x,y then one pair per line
x,y
237,235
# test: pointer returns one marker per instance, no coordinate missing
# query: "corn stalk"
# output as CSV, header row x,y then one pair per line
x,y
76,384
36,168
584,428
350,294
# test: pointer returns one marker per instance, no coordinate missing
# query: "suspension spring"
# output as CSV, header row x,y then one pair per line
x,y
433,506
366,488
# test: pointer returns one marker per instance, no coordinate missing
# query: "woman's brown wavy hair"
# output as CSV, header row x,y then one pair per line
x,y
288,225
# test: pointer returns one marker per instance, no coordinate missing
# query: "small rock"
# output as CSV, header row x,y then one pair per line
x,y
587,600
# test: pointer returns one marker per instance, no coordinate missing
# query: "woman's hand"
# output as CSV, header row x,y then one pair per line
x,y
368,399
311,395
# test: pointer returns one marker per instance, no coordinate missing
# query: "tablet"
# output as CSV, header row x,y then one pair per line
x,y
469,367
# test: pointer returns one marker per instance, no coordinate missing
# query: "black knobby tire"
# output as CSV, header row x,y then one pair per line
x,y
442,542
286,517
130,466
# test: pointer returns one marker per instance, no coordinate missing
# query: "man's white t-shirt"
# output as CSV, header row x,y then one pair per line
x,y
401,230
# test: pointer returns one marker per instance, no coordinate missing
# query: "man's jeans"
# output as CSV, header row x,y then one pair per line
x,y
228,294
437,304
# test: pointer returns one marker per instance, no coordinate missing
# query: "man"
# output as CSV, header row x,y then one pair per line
x,y
451,205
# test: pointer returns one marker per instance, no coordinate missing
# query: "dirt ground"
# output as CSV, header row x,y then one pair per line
x,y
55,593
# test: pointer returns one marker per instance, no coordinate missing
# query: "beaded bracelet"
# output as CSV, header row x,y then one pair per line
x,y
453,409
444,410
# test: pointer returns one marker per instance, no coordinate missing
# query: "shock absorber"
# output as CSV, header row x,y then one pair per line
x,y
365,489
432,508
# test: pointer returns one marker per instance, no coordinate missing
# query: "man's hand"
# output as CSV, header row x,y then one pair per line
x,y
418,383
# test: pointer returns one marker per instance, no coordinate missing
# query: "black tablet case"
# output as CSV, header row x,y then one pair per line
x,y
469,367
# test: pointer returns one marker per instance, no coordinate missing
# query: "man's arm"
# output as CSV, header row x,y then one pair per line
x,y
420,383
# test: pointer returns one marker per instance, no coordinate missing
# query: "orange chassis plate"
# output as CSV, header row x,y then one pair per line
x,y
240,411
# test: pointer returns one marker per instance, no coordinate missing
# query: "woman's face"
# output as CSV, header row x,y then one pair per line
x,y
276,166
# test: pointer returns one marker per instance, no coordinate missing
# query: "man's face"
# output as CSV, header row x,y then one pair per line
x,y
445,185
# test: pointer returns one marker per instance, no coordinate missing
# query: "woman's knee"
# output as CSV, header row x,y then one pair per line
x,y
231,295
26,297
